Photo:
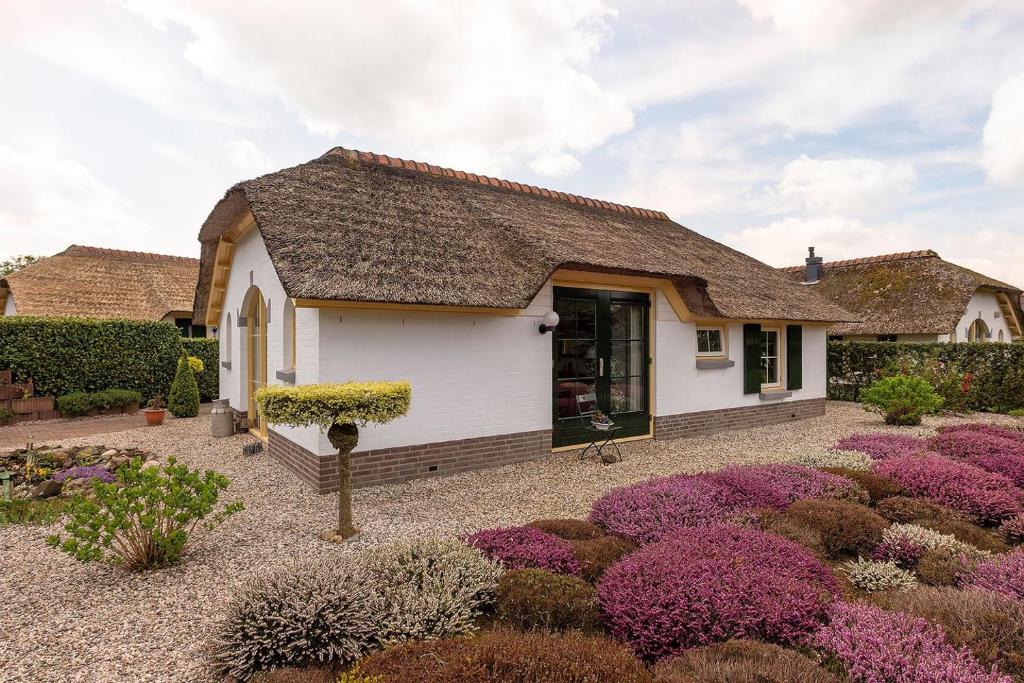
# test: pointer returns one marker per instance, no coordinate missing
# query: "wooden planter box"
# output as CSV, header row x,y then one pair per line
x,y
39,408
9,391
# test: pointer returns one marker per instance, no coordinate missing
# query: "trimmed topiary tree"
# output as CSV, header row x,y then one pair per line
x,y
183,399
340,409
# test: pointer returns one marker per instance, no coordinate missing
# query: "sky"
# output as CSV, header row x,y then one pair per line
x,y
860,127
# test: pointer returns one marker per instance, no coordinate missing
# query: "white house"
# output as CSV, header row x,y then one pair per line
x,y
914,297
356,266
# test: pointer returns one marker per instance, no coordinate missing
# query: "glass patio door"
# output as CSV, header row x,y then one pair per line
x,y
257,348
600,347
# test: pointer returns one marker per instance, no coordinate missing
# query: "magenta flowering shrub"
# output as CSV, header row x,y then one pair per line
x,y
876,646
984,496
901,550
524,547
982,449
981,428
87,472
649,511
709,584
880,445
1003,574
1013,529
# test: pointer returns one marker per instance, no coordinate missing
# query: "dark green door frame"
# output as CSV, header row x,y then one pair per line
x,y
601,346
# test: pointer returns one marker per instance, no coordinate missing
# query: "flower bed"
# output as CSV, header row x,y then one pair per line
x,y
1003,574
981,428
46,471
526,547
988,451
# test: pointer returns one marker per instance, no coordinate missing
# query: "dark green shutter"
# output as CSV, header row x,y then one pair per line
x,y
794,357
751,358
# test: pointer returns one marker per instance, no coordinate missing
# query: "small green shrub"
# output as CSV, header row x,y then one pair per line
x,y
144,520
872,576
80,402
534,598
845,528
741,661
597,554
878,487
206,350
901,400
569,529
76,403
183,399
6,416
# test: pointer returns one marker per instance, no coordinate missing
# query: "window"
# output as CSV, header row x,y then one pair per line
x,y
1001,339
187,329
770,358
978,331
710,341
886,338
289,334
226,345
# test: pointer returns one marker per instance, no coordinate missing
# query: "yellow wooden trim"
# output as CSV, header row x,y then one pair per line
x,y
259,435
625,439
384,306
1010,315
625,283
222,267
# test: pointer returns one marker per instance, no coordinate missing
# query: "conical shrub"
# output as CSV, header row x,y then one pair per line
x,y
183,401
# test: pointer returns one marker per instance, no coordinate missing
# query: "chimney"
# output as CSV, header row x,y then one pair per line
x,y
812,271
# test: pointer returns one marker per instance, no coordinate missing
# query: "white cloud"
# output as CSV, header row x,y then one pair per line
x,y
555,165
1003,135
846,186
248,158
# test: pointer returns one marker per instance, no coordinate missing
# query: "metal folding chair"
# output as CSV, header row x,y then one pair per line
x,y
600,439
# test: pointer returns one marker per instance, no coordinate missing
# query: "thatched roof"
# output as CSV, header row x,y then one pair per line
x,y
105,283
913,292
361,227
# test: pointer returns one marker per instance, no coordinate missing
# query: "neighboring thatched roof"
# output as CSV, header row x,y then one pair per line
x,y
105,283
361,227
910,293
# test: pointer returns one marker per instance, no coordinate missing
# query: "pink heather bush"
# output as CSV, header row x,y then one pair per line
x,y
709,584
1013,529
980,428
880,446
524,547
876,646
1003,574
984,496
982,449
904,552
649,511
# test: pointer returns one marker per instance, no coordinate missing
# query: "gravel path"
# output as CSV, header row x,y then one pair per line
x,y
65,621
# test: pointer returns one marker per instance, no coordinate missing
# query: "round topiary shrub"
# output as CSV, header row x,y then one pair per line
x,y
183,399
741,661
710,584
1002,574
901,399
569,529
845,528
596,555
878,487
504,656
983,496
990,453
303,615
533,598
879,445
525,547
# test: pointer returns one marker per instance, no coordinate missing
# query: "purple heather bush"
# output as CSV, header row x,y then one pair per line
x,y
91,472
990,452
880,446
876,646
651,510
981,428
710,584
904,552
524,547
1013,529
984,496
1003,574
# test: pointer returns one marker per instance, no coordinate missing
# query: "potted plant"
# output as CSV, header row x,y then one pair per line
x,y
601,421
155,411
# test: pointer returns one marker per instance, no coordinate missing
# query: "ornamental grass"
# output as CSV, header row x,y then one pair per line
x,y
710,584
1002,574
882,445
525,547
741,661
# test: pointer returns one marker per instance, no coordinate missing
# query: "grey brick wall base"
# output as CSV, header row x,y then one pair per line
x,y
711,421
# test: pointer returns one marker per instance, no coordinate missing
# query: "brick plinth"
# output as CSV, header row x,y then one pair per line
x,y
710,421
396,465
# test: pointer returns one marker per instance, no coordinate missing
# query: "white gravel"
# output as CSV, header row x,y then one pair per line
x,y
61,620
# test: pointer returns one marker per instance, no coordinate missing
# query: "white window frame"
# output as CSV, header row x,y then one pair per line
x,y
722,338
779,356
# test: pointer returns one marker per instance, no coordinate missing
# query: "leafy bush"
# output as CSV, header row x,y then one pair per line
x,y
504,656
709,584
944,377
143,520
534,598
1003,574
990,453
75,403
525,547
836,459
880,446
886,647
597,554
878,488
206,350
983,496
80,402
845,528
872,576
942,567
183,400
648,511
569,529
927,539
67,355
327,404
903,509
989,625
901,400
304,615
431,588
741,661
1013,529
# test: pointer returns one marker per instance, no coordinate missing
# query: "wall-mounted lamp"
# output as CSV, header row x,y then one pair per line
x,y
549,322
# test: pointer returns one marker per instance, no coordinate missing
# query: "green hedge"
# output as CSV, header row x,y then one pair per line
x,y
997,370
65,355
208,351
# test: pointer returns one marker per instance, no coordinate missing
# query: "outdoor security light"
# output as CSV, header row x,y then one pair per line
x,y
549,322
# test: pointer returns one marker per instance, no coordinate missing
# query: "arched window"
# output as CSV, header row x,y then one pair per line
x,y
225,344
288,330
1001,336
978,331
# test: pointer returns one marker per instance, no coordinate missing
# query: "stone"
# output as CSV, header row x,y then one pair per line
x,y
46,489
150,464
108,454
119,460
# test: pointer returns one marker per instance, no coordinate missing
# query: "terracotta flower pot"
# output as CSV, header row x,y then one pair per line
x,y
154,416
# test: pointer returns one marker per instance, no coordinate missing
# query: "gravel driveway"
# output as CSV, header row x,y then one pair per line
x,y
65,621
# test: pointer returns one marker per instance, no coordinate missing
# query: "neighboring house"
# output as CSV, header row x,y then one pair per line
x,y
914,297
356,266
106,283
